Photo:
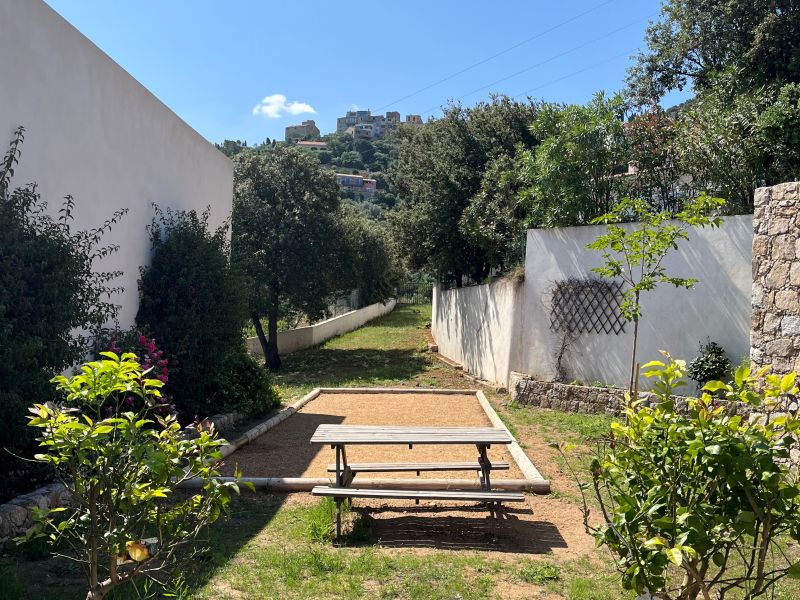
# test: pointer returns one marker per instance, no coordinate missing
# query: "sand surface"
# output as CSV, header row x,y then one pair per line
x,y
285,450
541,525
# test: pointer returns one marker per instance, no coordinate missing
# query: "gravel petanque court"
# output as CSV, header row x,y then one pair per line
x,y
285,451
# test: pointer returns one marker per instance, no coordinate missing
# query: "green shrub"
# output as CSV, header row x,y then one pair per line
x,y
242,385
711,364
48,291
193,302
122,463
698,501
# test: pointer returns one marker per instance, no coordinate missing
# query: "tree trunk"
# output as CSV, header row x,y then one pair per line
x,y
101,590
262,339
633,350
273,361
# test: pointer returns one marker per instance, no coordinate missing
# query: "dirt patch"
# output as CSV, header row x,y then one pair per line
x,y
285,451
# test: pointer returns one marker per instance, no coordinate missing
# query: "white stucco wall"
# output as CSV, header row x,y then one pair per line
x,y
94,132
313,335
476,326
673,319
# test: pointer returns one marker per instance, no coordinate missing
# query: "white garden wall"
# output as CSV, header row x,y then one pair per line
x,y
96,133
476,326
313,335
674,319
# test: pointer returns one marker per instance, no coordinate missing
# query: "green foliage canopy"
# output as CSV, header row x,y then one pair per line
x,y
694,42
122,463
194,302
569,178
439,173
49,290
698,502
284,236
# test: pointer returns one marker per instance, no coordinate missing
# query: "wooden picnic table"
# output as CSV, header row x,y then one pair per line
x,y
340,436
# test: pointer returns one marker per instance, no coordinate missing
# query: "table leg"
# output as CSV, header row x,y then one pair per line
x,y
339,452
486,467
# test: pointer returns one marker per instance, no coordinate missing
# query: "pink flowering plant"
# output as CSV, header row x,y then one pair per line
x,y
151,359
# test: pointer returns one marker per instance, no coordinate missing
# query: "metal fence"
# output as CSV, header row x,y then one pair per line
x,y
414,293
345,303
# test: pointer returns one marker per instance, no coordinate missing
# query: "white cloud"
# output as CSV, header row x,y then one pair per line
x,y
354,107
275,106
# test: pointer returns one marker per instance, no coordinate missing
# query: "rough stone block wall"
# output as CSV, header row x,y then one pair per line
x,y
775,331
591,400
16,516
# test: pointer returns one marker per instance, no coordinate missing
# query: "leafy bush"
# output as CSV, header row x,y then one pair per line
x,y
122,462
710,365
48,291
193,302
367,259
701,502
243,386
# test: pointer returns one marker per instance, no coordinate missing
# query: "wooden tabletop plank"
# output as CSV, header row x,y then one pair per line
x,y
385,434
411,467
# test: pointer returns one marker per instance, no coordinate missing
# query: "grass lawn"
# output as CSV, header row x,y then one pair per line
x,y
277,546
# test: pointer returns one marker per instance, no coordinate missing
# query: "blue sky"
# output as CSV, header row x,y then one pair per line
x,y
213,62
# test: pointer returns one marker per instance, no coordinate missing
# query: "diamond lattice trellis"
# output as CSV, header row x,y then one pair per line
x,y
587,306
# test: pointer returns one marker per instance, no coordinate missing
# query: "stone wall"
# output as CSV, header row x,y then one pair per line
x,y
16,516
775,330
567,397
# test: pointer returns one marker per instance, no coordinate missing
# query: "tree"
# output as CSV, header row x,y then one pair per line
x,y
194,302
367,255
778,129
231,148
636,253
351,159
652,137
571,177
494,219
696,41
49,292
697,501
721,148
338,144
284,231
121,463
439,170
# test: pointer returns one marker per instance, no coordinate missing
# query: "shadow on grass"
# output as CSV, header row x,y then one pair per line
x,y
250,514
327,367
28,572
402,316
507,530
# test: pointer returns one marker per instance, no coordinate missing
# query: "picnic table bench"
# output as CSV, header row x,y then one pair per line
x,y
340,436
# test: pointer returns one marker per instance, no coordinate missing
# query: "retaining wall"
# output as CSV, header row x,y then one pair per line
x,y
313,335
567,397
